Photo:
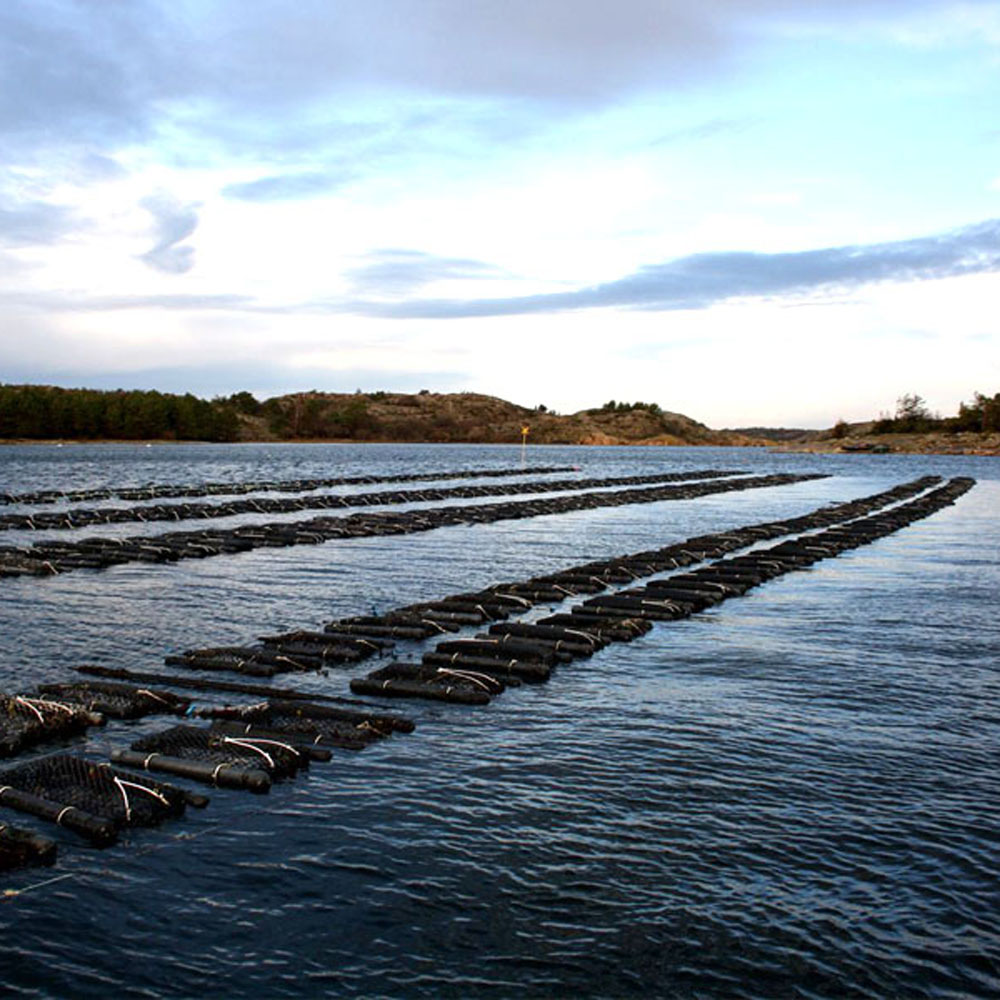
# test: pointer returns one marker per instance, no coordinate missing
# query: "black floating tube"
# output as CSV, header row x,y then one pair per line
x,y
99,831
304,637
379,631
550,633
510,671
698,597
499,647
658,609
613,628
393,688
223,775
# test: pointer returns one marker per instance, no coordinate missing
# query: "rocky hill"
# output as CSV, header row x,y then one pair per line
x,y
468,417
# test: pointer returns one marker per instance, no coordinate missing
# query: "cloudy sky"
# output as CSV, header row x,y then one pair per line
x,y
777,212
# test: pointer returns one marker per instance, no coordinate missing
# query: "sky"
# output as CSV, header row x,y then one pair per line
x,y
753,212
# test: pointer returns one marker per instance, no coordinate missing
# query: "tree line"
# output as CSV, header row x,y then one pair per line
x,y
980,414
36,412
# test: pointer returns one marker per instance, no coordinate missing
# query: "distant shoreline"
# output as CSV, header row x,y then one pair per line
x,y
964,443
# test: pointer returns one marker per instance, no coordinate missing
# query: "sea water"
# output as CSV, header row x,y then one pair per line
x,y
794,793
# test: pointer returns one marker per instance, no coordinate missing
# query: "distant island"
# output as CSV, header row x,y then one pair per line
x,y
35,413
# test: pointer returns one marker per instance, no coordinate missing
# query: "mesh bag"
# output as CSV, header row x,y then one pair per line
x,y
205,746
309,723
252,660
68,781
119,701
415,680
25,721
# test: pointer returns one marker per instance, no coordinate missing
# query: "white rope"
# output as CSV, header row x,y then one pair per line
x,y
121,788
247,745
27,704
276,743
479,679
123,784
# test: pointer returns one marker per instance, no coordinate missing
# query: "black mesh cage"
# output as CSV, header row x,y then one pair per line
x,y
119,701
204,745
311,723
124,798
26,720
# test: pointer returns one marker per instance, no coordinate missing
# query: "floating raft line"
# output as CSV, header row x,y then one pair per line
x,y
353,639
590,627
622,615
117,701
499,600
45,558
156,492
81,517
91,799
20,848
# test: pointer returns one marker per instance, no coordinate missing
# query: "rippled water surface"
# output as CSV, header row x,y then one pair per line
x,y
792,794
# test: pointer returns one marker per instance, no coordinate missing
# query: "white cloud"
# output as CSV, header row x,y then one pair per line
x,y
173,223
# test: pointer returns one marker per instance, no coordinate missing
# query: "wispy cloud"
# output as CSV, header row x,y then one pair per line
x,y
173,223
282,187
702,280
400,272
31,223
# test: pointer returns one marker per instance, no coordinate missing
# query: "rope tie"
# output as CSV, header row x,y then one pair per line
x,y
430,621
62,812
145,788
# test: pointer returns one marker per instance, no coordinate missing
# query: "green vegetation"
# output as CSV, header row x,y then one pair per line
x,y
981,415
313,415
612,407
36,412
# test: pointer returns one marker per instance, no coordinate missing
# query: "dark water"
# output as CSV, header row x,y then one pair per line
x,y
793,794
